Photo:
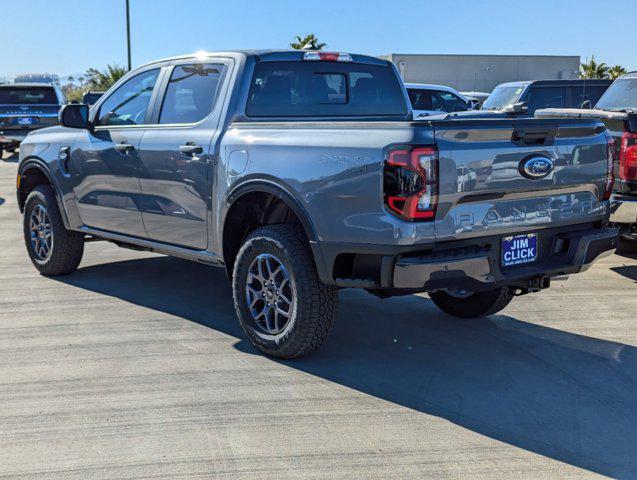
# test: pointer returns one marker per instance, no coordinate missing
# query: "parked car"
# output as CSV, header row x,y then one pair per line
x,y
301,173
618,110
25,107
526,97
475,98
91,97
435,99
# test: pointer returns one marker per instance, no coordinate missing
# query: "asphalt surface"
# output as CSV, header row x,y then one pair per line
x,y
135,367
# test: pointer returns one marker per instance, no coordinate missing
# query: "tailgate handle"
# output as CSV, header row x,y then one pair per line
x,y
533,136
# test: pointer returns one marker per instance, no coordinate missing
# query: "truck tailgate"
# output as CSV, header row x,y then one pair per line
x,y
515,175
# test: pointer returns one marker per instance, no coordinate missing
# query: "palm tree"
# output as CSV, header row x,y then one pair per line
x,y
616,72
307,42
592,69
103,80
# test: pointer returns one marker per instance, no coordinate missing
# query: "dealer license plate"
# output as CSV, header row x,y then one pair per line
x,y
519,249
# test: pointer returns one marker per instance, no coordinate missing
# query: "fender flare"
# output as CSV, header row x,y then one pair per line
x,y
35,163
282,192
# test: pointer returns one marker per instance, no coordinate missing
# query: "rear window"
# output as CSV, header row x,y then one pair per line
x,y
28,95
315,89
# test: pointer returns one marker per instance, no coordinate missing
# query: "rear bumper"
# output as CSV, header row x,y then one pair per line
x,y
471,264
478,268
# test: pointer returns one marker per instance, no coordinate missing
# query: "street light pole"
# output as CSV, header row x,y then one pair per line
x,y
128,34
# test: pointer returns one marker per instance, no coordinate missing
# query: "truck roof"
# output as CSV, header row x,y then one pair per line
x,y
265,56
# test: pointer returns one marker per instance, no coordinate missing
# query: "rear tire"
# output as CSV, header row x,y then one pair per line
x,y
283,307
53,249
475,305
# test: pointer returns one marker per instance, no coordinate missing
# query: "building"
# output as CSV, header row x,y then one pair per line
x,y
482,72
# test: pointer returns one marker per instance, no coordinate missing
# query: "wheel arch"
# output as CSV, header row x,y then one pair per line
x,y
31,173
237,198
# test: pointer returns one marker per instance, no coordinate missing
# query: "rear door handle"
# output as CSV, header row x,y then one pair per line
x,y
190,149
124,147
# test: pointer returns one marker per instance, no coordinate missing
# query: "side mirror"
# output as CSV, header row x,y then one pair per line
x,y
519,107
586,105
75,115
476,106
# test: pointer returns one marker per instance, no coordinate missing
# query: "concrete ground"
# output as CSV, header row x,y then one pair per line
x,y
135,367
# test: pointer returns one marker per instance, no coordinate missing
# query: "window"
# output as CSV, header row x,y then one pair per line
x,y
28,96
191,93
546,97
307,89
447,102
420,99
582,93
622,94
503,97
128,104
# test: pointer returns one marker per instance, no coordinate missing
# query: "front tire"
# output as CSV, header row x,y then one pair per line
x,y
53,249
282,305
472,305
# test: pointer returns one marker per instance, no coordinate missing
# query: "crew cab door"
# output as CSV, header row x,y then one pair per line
x,y
175,154
105,162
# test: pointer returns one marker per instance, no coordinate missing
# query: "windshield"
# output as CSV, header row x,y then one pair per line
x,y
621,95
28,96
503,97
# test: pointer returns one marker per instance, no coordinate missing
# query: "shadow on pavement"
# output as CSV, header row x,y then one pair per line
x,y
565,396
628,271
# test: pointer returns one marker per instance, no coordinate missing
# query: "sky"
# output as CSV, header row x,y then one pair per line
x,y
69,36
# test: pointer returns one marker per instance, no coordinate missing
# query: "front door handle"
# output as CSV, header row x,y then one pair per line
x,y
190,149
124,147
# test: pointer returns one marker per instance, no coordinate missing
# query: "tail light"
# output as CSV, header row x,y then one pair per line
x,y
316,56
410,182
628,157
610,177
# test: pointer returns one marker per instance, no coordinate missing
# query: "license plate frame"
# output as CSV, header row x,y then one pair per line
x,y
516,250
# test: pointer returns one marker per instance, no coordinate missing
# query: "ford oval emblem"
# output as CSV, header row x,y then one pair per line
x,y
536,167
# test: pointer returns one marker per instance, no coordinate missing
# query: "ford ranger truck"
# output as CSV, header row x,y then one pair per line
x,y
618,110
303,172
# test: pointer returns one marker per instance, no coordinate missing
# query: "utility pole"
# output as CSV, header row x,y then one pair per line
x,y
128,34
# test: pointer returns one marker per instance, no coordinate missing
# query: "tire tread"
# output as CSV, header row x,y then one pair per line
x,y
319,305
68,246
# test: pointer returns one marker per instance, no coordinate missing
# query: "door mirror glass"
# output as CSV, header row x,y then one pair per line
x,y
74,115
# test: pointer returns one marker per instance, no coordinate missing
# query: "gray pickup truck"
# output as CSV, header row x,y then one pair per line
x,y
303,172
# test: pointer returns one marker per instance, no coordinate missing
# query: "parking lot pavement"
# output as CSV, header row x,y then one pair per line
x,y
135,367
